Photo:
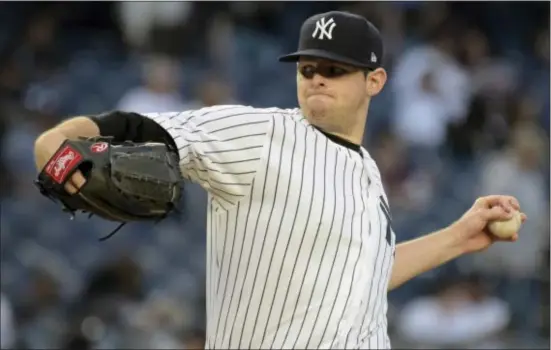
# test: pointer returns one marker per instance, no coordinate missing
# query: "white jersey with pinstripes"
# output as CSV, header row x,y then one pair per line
x,y
299,244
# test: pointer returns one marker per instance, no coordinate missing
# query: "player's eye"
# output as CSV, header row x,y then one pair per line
x,y
307,71
327,71
335,71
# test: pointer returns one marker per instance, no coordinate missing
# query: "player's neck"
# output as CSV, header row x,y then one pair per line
x,y
351,140
354,133
342,141
354,136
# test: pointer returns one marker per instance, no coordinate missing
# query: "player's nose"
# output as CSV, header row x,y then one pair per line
x,y
318,80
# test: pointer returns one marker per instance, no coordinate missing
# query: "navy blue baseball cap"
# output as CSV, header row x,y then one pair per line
x,y
342,37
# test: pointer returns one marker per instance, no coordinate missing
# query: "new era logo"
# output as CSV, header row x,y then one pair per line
x,y
373,58
324,29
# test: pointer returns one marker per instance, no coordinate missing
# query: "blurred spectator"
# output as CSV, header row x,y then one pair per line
x,y
460,315
7,324
157,324
537,78
140,19
39,53
12,82
11,88
430,17
389,153
263,16
486,127
431,90
407,187
489,75
120,278
524,110
220,37
42,317
194,339
17,146
495,82
423,115
113,292
160,91
77,342
213,90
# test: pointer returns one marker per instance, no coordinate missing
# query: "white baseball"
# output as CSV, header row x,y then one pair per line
x,y
506,228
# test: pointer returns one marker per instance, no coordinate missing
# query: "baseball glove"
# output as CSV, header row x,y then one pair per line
x,y
124,182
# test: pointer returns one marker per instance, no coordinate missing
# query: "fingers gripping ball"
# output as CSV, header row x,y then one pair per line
x,y
506,228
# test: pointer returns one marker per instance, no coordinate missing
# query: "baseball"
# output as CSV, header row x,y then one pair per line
x,y
507,228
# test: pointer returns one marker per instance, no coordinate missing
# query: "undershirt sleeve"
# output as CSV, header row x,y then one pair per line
x,y
126,126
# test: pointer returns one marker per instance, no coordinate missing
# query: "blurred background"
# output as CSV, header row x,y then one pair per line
x,y
465,113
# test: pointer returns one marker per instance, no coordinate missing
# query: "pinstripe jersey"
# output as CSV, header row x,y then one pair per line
x,y
299,243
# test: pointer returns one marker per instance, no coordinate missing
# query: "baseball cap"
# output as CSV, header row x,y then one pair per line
x,y
342,37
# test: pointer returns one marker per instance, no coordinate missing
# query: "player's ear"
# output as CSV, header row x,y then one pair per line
x,y
375,81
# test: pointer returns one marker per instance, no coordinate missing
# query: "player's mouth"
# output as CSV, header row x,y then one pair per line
x,y
318,94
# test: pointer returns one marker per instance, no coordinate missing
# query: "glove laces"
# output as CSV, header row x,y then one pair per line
x,y
113,232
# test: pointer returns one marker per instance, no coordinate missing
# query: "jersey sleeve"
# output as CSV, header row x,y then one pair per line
x,y
220,147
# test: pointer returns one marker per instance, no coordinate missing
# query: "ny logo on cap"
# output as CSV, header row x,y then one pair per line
x,y
324,32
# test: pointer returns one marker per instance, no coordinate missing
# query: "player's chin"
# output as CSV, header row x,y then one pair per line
x,y
320,105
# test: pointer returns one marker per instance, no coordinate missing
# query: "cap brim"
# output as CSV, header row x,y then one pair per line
x,y
295,56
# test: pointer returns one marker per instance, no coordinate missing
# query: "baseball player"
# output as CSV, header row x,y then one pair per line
x,y
300,246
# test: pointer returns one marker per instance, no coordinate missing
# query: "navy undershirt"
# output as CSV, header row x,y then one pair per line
x,y
339,140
